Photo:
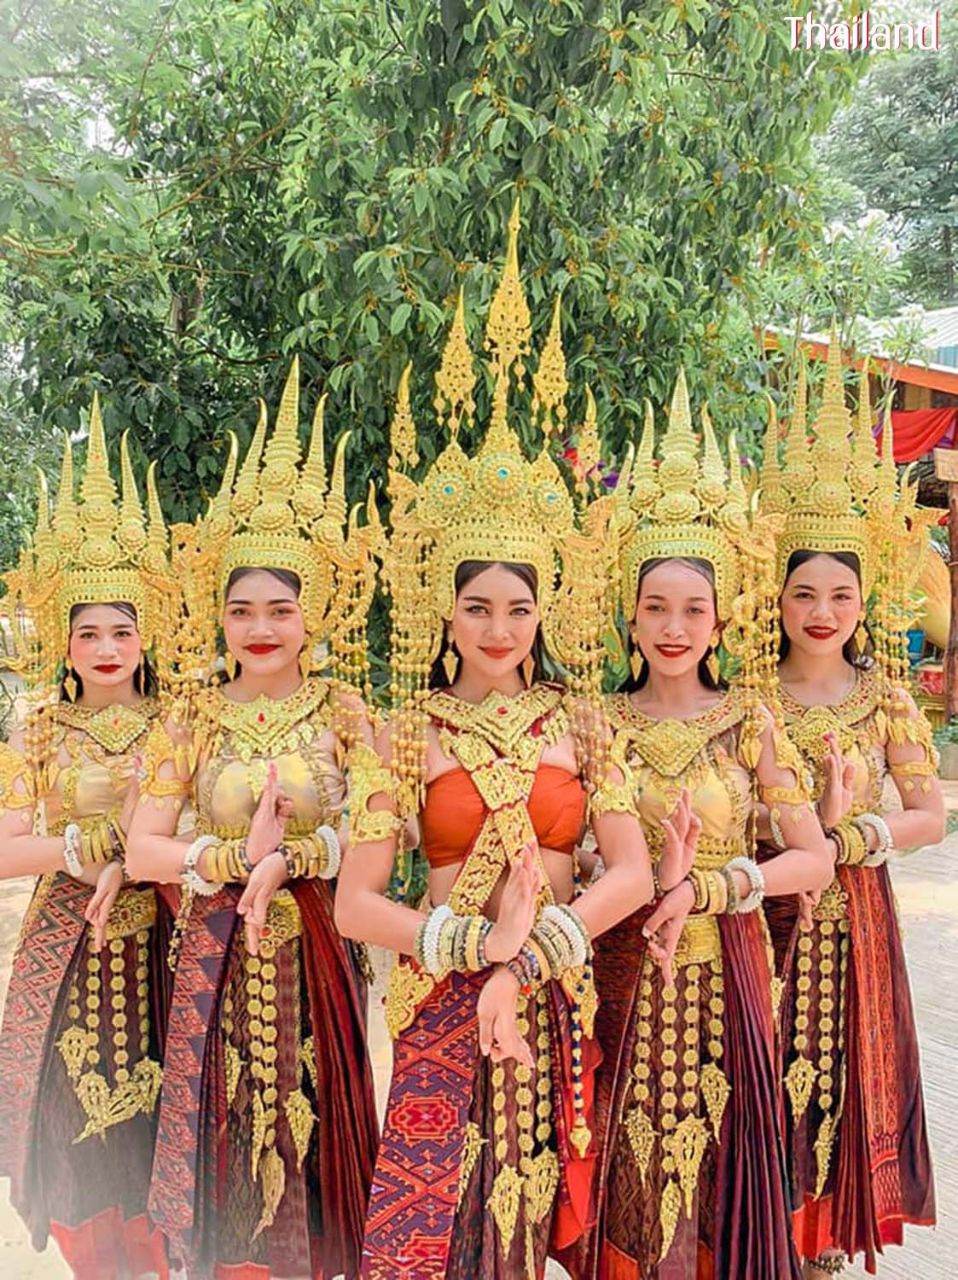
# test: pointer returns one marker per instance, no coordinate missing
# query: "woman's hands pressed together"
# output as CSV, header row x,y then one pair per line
x,y
517,907
682,829
268,826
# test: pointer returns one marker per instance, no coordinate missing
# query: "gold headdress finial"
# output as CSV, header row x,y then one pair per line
x,y
96,550
282,513
455,381
772,488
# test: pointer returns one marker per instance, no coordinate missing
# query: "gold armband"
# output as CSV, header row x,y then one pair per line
x,y
160,751
369,777
16,789
612,797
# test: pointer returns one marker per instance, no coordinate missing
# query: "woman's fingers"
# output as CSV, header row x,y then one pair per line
x,y
848,776
695,829
670,832
485,1032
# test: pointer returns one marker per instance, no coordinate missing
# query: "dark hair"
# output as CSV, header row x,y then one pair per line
x,y
632,683
544,666
144,677
854,656
285,576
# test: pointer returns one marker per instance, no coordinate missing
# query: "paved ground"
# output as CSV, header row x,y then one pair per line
x,y
927,887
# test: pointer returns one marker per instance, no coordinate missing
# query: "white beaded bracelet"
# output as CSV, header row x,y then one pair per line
x,y
882,834
576,938
72,837
430,937
756,880
334,853
190,877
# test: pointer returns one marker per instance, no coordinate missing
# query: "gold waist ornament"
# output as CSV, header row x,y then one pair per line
x,y
135,1089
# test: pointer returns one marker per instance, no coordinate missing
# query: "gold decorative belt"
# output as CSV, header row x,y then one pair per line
x,y
699,942
134,909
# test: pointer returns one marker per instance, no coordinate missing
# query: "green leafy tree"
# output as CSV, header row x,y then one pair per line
x,y
194,191
896,144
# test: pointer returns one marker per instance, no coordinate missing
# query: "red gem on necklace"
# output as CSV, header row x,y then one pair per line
x,y
502,710
261,717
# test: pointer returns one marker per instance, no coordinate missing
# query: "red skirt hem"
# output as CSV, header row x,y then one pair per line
x,y
111,1247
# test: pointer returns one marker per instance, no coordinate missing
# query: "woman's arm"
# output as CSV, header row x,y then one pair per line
x,y
626,883
153,852
911,762
21,852
807,862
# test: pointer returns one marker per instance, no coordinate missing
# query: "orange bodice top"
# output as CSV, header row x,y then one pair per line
x,y
453,814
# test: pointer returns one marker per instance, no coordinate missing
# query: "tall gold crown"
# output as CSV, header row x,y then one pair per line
x,y
693,504
99,548
836,494
280,511
495,506
824,487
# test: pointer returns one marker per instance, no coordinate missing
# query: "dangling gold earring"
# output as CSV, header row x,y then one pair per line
x,y
142,671
861,635
306,659
229,662
528,669
712,662
450,660
69,682
636,662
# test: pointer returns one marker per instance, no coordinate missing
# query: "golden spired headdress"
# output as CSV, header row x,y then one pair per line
x,y
95,549
835,494
280,511
694,505
824,485
497,505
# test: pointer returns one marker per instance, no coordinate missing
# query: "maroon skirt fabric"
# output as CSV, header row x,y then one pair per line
x,y
879,1173
738,1226
89,1193
208,1193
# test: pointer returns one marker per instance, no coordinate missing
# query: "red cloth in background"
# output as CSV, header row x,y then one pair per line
x,y
917,431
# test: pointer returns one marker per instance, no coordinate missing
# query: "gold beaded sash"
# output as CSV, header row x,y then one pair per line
x,y
136,1088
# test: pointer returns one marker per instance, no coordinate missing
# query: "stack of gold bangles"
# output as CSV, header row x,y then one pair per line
x,y
447,943
558,942
851,842
717,893
92,843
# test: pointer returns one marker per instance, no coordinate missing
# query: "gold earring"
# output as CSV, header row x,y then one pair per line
x,y
636,662
69,682
712,662
861,635
450,660
306,659
229,662
528,669
142,670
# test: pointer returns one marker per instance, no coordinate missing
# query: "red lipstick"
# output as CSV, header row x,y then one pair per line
x,y
259,649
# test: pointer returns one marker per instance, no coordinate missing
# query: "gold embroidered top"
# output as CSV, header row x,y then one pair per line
x,y
73,763
217,752
705,754
864,729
